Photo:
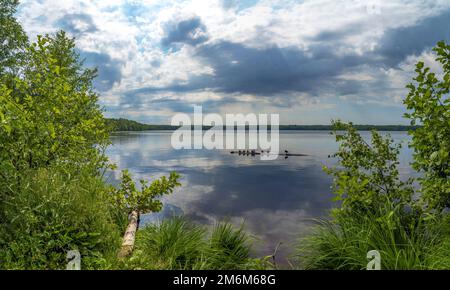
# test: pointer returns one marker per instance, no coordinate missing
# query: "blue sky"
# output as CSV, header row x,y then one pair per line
x,y
309,61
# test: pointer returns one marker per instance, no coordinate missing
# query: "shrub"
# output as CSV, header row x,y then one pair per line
x,y
378,211
55,212
428,104
344,244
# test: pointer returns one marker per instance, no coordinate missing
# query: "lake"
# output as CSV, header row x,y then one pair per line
x,y
275,199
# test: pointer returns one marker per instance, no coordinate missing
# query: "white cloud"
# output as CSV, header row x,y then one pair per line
x,y
130,32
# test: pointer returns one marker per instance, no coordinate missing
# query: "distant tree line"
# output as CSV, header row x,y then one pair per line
x,y
357,127
129,125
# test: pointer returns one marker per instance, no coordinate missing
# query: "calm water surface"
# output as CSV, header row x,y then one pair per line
x,y
276,199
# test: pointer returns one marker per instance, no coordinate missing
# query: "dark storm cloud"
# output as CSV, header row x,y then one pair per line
x,y
191,31
336,35
398,43
167,103
176,105
77,24
274,71
109,69
265,72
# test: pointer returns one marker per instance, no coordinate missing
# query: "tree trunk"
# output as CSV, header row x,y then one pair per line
x,y
129,236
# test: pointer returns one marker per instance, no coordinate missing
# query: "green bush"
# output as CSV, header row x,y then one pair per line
x,y
344,244
428,104
408,226
377,211
53,213
52,132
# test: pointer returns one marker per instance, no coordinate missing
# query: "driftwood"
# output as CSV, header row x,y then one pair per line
x,y
253,153
129,236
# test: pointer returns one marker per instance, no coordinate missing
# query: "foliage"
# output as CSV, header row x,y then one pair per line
x,y
174,244
178,244
52,131
344,243
228,246
130,125
377,209
51,114
55,212
429,104
366,177
129,198
13,41
52,136
377,212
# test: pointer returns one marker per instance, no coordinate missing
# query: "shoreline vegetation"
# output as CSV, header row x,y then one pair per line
x,y
126,125
54,199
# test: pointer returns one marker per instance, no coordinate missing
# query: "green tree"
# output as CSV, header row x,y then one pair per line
x,y
51,114
52,136
377,211
52,131
409,226
129,198
366,178
13,40
134,202
429,105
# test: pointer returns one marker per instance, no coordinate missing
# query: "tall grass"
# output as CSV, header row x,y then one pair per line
x,y
344,243
178,244
173,244
228,247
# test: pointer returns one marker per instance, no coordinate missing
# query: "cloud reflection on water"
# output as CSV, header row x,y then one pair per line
x,y
276,199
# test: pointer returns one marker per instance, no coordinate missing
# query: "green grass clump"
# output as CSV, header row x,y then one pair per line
x,y
174,244
228,247
178,244
344,243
